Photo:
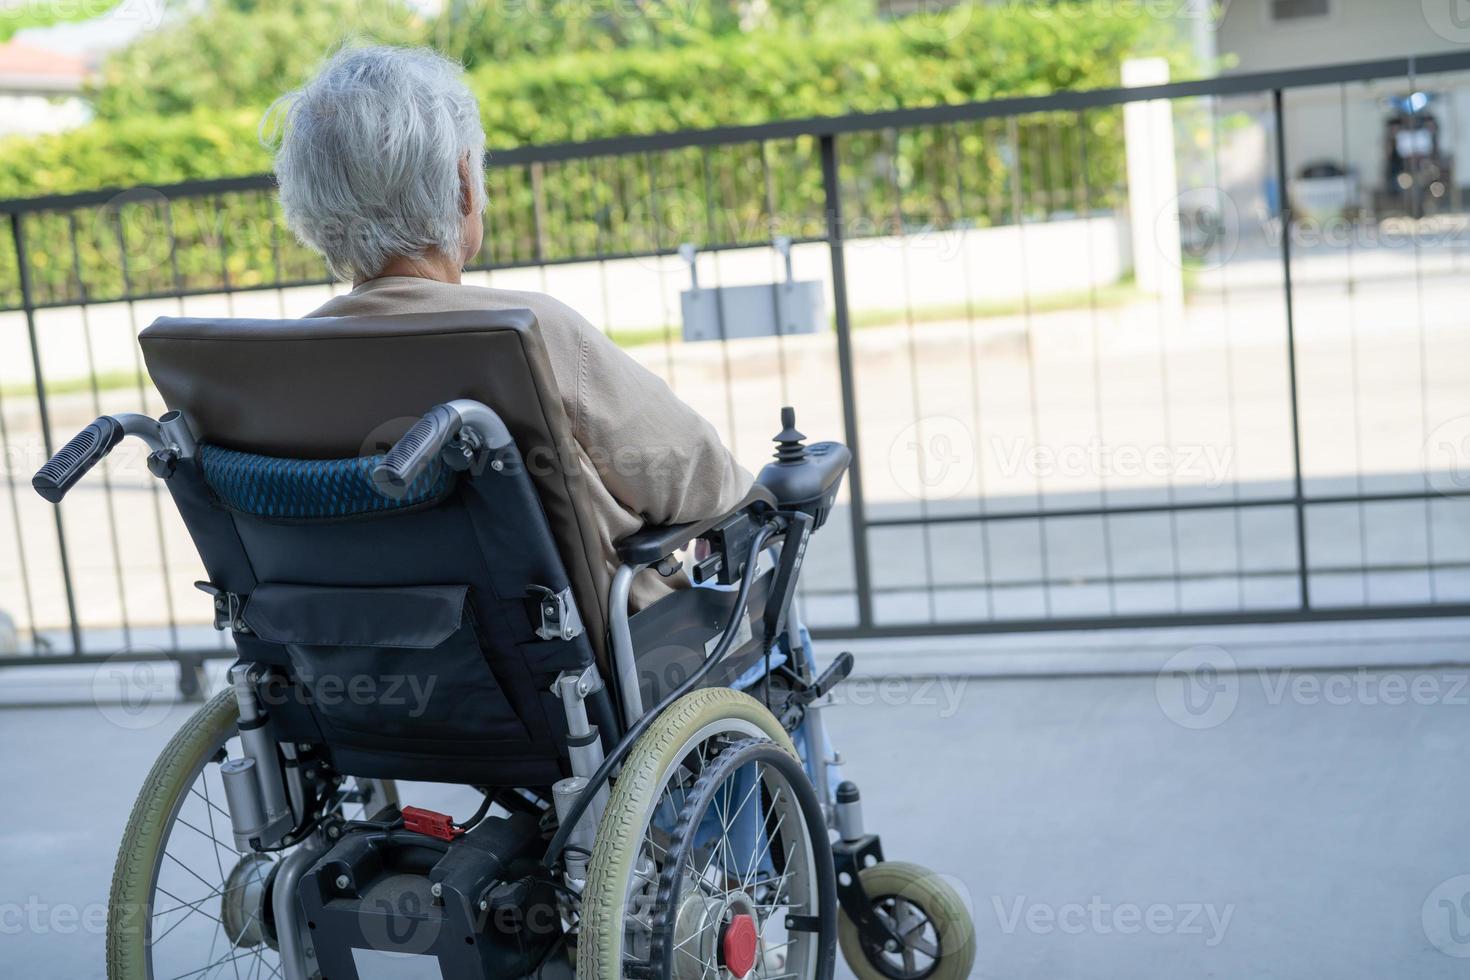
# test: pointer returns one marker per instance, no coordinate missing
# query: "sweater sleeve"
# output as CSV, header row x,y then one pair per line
x,y
658,457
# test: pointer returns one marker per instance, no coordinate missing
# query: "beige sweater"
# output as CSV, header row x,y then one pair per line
x,y
657,460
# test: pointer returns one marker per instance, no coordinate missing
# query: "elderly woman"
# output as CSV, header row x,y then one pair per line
x,y
380,165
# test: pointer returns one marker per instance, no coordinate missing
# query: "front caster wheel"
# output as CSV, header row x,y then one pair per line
x,y
939,938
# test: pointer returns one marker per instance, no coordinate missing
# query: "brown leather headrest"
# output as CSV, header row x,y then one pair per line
x,y
332,387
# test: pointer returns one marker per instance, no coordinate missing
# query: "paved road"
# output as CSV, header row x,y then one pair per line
x,y
1316,830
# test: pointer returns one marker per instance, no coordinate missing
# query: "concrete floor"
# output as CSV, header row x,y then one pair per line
x,y
1293,825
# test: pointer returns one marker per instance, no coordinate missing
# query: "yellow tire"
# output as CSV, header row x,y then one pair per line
x,y
690,722
130,902
945,929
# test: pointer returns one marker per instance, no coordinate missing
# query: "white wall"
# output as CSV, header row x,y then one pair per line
x,y
920,271
1355,30
31,114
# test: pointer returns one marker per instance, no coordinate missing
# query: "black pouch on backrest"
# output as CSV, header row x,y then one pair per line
x,y
392,667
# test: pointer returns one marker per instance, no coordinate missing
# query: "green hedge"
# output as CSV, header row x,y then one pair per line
x,y
968,54
996,171
971,53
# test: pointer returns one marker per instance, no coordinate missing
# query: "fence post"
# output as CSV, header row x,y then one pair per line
x,y
28,304
1153,187
832,201
1299,500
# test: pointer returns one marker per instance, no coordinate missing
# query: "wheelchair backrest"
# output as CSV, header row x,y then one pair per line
x,y
426,602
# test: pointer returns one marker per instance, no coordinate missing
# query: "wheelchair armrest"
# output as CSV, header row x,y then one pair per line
x,y
651,544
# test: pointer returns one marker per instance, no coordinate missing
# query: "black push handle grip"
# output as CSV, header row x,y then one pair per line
x,y
412,454
73,460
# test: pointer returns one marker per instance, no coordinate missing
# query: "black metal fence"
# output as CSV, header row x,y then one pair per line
x,y
1183,354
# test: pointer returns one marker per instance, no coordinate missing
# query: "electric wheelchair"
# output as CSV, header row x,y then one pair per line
x,y
397,538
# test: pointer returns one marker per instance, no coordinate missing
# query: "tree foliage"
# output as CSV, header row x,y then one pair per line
x,y
185,123
233,54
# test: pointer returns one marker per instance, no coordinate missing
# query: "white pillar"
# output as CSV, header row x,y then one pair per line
x,y
1153,185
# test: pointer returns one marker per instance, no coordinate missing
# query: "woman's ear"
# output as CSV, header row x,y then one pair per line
x,y
466,191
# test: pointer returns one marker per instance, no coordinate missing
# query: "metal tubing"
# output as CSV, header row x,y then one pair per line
x,y
27,302
832,192
143,427
849,812
287,910
242,795
175,431
258,742
624,660
814,724
1298,496
584,741
564,793
483,419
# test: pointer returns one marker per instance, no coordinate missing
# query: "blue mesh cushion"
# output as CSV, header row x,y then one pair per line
x,y
317,489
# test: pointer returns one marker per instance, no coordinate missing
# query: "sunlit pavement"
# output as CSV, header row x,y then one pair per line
x,y
1168,825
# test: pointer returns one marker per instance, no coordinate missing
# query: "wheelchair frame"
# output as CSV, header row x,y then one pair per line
x,y
262,797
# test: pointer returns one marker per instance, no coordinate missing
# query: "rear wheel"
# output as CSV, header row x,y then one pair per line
x,y
184,902
748,888
637,830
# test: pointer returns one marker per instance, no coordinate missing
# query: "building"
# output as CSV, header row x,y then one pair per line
x,y
1390,146
41,91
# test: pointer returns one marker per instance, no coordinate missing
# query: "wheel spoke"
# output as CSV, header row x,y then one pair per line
x,y
205,881
221,962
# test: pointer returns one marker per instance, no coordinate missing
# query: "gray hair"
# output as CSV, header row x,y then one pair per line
x,y
367,156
